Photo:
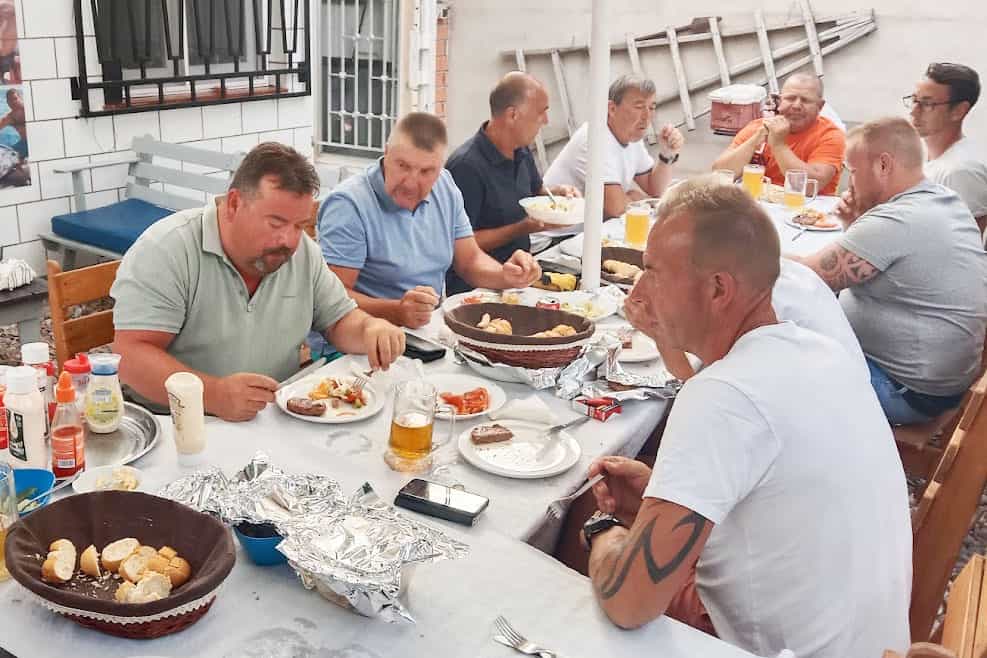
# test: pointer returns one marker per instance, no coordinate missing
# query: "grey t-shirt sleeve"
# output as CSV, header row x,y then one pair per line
x,y
971,185
151,290
878,238
330,298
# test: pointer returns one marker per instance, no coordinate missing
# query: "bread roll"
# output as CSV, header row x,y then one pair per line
x,y
146,551
89,562
62,545
178,571
58,567
152,587
157,563
167,552
124,591
117,552
133,567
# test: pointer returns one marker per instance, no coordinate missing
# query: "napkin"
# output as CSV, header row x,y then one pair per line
x,y
531,408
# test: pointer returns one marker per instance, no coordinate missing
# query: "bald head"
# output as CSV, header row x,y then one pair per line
x,y
730,232
804,80
894,136
512,91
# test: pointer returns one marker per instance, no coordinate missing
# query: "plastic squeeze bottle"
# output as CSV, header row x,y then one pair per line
x,y
80,369
104,398
68,435
26,419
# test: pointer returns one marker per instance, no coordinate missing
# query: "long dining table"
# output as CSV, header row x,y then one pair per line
x,y
265,611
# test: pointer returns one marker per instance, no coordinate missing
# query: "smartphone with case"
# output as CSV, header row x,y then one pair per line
x,y
416,348
441,501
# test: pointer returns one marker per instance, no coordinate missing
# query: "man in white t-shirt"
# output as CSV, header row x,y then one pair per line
x,y
938,106
630,173
777,513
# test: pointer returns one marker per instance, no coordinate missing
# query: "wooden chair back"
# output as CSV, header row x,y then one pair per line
x,y
81,286
946,511
923,650
965,628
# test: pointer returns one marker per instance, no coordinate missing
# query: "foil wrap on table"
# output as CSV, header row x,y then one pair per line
x,y
360,552
586,365
259,493
536,378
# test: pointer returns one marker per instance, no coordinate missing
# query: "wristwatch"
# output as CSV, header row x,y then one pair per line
x,y
669,160
597,524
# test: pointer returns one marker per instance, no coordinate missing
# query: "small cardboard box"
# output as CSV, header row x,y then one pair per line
x,y
597,408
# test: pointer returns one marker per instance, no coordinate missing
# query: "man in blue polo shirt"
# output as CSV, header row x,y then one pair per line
x,y
494,169
391,233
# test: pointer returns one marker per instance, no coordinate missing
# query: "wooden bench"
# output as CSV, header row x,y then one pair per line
x,y
187,177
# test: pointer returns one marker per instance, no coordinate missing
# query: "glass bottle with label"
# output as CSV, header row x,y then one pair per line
x,y
26,414
104,398
68,435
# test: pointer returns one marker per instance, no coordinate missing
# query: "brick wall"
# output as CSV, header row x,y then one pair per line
x,y
441,60
56,136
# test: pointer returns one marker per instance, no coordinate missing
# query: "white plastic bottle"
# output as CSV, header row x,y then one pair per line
x,y
26,412
104,399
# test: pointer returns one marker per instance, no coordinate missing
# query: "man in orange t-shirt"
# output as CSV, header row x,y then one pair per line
x,y
797,138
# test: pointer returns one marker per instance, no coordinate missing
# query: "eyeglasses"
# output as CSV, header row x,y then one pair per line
x,y
910,101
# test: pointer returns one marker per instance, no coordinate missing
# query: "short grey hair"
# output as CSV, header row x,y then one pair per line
x,y
623,84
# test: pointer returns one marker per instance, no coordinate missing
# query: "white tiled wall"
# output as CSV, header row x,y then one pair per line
x,y
57,136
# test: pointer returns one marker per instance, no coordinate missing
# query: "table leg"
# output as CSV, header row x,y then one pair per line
x,y
29,330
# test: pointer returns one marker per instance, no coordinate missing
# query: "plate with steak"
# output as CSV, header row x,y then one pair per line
x,y
513,449
323,397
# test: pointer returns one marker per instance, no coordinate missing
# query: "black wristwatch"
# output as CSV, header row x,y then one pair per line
x,y
597,524
669,161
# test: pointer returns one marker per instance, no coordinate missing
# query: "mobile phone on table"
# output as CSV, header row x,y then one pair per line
x,y
441,501
419,348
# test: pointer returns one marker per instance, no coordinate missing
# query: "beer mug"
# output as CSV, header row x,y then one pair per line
x,y
411,443
754,180
8,512
725,176
636,224
797,186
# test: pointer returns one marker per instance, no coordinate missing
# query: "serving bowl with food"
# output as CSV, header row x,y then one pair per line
x,y
470,396
563,211
621,265
108,478
525,336
124,563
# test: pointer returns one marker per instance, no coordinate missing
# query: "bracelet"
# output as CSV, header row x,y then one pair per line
x,y
670,160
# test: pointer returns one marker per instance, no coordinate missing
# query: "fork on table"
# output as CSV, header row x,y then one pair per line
x,y
507,636
556,510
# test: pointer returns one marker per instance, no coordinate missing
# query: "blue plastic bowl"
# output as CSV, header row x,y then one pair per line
x,y
39,479
260,550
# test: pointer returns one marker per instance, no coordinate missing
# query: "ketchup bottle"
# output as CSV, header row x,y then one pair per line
x,y
68,435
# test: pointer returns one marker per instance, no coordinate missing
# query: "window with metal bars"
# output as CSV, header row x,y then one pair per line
x,y
358,75
159,54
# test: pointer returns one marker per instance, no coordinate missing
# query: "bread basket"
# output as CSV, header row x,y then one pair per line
x,y
519,348
625,255
103,517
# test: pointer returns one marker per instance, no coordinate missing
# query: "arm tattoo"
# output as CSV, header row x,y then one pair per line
x,y
841,268
657,572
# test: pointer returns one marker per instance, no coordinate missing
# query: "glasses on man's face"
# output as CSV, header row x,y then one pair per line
x,y
923,105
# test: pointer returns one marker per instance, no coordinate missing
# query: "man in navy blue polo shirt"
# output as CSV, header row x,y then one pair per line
x,y
494,169
391,233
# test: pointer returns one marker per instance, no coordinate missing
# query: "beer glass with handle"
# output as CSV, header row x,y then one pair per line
x,y
412,442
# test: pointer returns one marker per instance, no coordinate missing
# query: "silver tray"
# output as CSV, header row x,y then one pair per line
x,y
138,433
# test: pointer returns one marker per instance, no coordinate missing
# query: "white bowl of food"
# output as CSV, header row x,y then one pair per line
x,y
108,478
565,211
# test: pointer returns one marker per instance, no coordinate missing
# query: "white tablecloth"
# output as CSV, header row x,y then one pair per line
x,y
264,611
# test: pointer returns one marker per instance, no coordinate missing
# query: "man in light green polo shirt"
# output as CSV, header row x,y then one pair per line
x,y
230,291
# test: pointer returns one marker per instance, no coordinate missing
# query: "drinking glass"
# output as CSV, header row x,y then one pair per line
x,y
754,180
797,186
636,224
411,444
8,512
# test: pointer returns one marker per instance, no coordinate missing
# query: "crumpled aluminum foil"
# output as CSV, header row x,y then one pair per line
x,y
259,493
594,354
536,378
601,388
358,553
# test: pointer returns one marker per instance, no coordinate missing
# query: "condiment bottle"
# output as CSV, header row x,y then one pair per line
x,y
68,436
4,450
104,399
80,369
36,355
26,416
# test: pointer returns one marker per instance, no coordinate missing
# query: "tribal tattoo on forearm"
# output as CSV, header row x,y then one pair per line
x,y
642,545
841,268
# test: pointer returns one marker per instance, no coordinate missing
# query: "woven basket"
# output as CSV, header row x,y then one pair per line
x,y
519,348
102,517
625,255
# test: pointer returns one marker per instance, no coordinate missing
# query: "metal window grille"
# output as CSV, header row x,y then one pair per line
x,y
160,54
358,75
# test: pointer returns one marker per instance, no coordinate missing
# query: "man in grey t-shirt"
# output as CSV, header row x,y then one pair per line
x,y
229,292
912,272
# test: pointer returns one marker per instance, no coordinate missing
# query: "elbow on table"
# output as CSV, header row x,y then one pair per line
x,y
626,619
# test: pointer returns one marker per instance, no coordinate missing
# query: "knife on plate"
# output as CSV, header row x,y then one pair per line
x,y
307,370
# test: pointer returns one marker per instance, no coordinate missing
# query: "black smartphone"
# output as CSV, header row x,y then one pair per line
x,y
441,501
416,348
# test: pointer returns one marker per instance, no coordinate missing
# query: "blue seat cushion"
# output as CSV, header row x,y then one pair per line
x,y
114,227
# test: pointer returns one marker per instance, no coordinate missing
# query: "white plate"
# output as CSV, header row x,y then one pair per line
x,y
574,246
300,389
822,229
528,297
603,305
518,457
642,349
459,384
87,480
539,207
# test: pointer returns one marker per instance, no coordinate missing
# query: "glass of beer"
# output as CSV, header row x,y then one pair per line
x,y
797,186
637,220
754,180
8,512
412,443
